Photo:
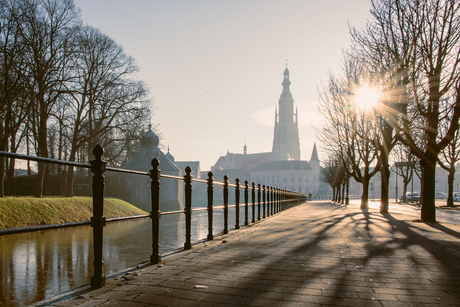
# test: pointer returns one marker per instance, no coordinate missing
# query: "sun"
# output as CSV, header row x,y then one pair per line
x,y
367,97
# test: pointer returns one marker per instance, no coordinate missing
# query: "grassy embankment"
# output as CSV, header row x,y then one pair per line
x,y
16,212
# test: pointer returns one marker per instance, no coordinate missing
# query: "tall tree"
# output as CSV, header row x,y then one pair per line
x,y
420,41
13,105
48,33
448,158
349,131
404,166
106,102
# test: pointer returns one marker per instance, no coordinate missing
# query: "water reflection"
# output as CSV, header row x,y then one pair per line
x,y
38,265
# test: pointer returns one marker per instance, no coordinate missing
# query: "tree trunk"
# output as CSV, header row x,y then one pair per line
x,y
450,195
405,184
385,175
428,213
39,184
347,198
69,188
47,180
343,194
2,160
10,177
365,195
2,177
63,182
70,173
42,152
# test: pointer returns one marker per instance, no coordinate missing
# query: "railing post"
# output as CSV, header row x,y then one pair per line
x,y
155,214
246,202
258,202
280,199
278,208
273,200
237,203
282,202
210,205
268,201
98,219
225,204
188,208
263,201
253,194
283,199
275,197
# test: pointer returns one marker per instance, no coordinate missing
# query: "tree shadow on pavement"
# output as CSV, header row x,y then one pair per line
x,y
343,256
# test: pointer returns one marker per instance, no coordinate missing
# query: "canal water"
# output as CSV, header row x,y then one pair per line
x,y
39,265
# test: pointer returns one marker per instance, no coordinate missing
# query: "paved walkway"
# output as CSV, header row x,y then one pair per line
x,y
316,254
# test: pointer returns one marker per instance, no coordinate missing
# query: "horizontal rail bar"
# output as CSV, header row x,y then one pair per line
x,y
199,180
172,212
273,204
42,159
199,209
172,177
121,170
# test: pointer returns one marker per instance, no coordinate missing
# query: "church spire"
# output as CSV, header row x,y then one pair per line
x,y
286,143
286,81
314,153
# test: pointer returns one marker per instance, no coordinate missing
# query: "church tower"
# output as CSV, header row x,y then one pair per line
x,y
286,145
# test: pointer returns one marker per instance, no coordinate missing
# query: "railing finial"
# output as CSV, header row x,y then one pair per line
x,y
98,151
155,163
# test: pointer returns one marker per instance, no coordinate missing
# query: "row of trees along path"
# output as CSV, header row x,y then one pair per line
x,y
410,50
64,87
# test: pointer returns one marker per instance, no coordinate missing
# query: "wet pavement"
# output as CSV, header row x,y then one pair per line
x,y
315,254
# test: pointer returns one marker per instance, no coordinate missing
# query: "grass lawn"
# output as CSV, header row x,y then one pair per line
x,y
16,212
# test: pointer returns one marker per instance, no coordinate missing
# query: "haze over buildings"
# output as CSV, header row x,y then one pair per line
x,y
213,67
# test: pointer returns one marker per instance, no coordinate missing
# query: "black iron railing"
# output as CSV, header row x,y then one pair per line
x,y
269,201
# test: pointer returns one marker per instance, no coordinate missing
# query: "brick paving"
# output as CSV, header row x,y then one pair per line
x,y
315,254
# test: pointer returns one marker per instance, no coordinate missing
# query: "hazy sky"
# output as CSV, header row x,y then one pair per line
x,y
215,67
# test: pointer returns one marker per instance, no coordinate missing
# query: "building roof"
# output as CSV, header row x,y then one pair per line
x,y
283,165
169,155
232,174
142,159
194,165
314,154
237,161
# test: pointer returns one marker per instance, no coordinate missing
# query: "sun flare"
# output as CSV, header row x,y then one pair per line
x,y
367,97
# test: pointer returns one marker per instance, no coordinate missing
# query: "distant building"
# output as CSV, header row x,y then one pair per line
x,y
286,144
293,175
137,187
282,166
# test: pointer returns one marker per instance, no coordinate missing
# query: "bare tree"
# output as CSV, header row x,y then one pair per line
x,y
106,103
13,105
48,34
349,132
420,42
331,174
404,166
448,158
